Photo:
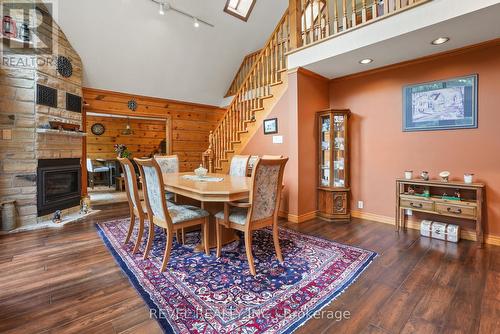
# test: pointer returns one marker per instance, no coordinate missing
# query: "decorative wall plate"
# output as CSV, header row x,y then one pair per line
x,y
132,105
64,66
98,129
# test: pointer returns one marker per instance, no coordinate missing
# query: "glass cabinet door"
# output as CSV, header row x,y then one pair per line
x,y
325,150
339,174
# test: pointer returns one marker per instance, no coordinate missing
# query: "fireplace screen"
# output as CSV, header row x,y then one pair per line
x,y
59,185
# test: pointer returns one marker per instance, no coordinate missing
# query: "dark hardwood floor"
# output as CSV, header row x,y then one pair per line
x,y
65,281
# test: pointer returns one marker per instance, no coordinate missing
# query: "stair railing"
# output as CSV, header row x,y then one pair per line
x,y
239,78
264,73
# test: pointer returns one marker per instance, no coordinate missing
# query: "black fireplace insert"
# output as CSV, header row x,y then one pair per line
x,y
58,185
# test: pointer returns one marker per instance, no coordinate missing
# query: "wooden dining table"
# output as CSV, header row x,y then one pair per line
x,y
212,196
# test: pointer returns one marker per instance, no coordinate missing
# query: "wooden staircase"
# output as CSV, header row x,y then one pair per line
x,y
262,87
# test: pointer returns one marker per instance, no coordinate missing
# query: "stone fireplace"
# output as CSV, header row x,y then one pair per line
x,y
40,166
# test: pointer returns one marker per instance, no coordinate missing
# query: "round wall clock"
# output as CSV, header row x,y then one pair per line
x,y
98,129
132,105
64,66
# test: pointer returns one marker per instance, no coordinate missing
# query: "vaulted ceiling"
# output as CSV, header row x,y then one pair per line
x,y
126,46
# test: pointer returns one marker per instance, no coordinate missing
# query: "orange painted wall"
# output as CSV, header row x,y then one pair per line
x,y
381,151
312,97
296,110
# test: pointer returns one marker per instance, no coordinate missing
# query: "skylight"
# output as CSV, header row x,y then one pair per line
x,y
239,8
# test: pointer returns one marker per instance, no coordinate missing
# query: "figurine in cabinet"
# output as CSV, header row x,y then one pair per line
x,y
333,185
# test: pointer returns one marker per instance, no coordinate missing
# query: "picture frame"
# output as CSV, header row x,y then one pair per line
x,y
270,126
441,105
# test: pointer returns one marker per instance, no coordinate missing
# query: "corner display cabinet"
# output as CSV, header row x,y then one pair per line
x,y
333,146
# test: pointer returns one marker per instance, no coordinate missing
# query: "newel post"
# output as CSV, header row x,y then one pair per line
x,y
295,13
208,155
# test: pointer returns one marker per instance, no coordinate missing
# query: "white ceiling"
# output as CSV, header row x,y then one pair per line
x,y
127,46
403,37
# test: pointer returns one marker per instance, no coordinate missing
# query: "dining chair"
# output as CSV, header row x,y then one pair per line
x,y
168,164
268,157
137,207
261,211
93,169
251,164
239,165
172,217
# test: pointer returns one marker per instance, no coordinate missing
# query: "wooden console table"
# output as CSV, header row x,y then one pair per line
x,y
470,206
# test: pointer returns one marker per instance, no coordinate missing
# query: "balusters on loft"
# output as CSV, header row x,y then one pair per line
x,y
314,20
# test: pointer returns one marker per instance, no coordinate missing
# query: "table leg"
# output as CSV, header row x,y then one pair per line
x,y
479,221
228,235
397,207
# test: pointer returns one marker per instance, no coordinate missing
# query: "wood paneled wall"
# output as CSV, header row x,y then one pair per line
x,y
191,123
146,138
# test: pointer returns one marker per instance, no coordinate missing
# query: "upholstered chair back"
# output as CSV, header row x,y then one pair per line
x,y
239,165
153,190
90,165
267,180
168,163
130,182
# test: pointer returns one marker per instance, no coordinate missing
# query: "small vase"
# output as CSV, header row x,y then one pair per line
x,y
468,178
425,176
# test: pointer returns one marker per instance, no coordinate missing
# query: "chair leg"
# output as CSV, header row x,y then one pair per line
x,y
150,239
218,231
248,248
178,236
205,236
183,237
139,235
276,239
130,226
168,249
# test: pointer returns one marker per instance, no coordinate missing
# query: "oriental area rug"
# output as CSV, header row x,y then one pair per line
x,y
205,294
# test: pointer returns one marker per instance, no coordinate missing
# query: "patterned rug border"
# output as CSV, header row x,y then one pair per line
x,y
167,328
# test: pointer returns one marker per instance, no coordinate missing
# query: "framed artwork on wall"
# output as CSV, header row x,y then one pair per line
x,y
270,126
441,105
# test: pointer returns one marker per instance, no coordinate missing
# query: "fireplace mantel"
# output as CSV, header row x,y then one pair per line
x,y
61,132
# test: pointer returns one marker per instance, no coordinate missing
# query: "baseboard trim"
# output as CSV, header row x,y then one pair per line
x,y
298,218
465,234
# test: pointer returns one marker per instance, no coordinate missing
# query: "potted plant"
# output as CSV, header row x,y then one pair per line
x,y
122,151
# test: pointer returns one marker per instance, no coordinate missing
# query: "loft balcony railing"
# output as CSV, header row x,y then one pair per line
x,y
315,20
